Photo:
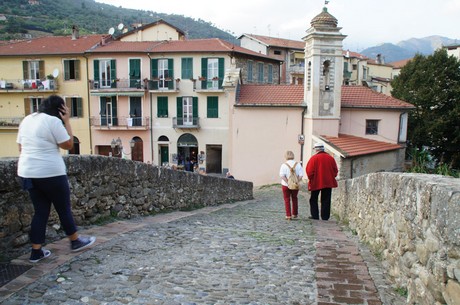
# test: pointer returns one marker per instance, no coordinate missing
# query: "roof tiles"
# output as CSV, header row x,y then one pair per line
x,y
351,146
271,95
364,97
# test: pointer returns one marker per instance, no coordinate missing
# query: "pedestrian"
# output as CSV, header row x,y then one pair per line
x,y
321,172
188,165
290,194
42,172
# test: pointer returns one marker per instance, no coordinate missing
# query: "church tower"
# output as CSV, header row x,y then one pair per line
x,y
323,78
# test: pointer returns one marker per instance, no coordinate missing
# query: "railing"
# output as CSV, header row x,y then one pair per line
x,y
298,68
28,85
162,84
120,122
117,84
9,122
181,123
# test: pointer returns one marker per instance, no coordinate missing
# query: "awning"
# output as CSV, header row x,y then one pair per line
x,y
127,93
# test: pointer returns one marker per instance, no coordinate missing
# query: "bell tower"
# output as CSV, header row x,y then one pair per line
x,y
323,77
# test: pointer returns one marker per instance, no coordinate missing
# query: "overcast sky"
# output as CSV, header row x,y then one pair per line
x,y
365,22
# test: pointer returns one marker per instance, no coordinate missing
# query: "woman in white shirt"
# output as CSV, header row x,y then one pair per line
x,y
288,194
43,172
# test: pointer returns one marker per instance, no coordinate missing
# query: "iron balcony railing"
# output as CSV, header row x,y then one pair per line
x,y
8,85
120,122
184,123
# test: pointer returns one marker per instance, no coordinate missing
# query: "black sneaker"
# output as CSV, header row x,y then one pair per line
x,y
38,255
82,243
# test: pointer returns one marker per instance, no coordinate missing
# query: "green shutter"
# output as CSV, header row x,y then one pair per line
x,y
79,107
96,69
154,68
162,106
113,72
213,107
187,68
66,69
204,73
221,71
77,69
195,107
171,73
25,69
41,69
179,108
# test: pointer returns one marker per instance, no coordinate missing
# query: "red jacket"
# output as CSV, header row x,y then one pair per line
x,y
321,171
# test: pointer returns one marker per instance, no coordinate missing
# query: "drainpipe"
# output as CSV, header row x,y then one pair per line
x,y
302,133
89,107
151,113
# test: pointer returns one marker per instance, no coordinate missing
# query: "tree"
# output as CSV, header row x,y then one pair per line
x,y
432,84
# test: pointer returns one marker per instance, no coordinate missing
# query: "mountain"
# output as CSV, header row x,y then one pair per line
x,y
408,48
21,19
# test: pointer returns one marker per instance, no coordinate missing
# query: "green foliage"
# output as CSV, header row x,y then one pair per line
x,y
402,291
58,17
432,84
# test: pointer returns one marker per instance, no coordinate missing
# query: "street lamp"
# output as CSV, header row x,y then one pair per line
x,y
117,145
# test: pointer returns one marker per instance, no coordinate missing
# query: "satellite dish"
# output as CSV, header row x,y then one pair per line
x,y
121,26
55,72
111,31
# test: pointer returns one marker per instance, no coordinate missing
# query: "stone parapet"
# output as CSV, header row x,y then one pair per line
x,y
411,222
103,188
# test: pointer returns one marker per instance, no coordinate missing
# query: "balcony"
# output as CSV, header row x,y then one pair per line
x,y
127,87
191,123
28,85
10,122
163,85
297,69
120,123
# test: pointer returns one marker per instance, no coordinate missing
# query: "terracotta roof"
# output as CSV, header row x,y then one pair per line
x,y
174,46
400,63
278,42
273,95
324,20
51,45
351,146
350,54
364,97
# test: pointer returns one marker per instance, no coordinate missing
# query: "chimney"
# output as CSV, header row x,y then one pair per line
x,y
75,32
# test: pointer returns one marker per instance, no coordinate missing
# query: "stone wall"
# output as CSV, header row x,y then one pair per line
x,y
412,222
105,187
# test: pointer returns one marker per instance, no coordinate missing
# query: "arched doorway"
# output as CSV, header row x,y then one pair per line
x,y
163,150
137,152
187,147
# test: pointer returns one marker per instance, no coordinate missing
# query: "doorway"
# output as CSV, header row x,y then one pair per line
x,y
187,147
214,159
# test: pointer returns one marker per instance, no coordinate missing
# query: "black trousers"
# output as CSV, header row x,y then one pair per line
x,y
325,203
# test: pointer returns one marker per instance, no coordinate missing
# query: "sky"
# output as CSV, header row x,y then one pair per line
x,y
365,22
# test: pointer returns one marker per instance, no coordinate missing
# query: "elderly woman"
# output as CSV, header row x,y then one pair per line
x,y
290,194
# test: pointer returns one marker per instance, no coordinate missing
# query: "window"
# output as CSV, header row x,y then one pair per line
x,y
250,72
213,107
31,104
355,67
372,127
277,52
212,72
162,73
162,106
135,111
75,104
260,68
187,68
187,110
105,73
34,69
108,113
71,69
135,73
270,74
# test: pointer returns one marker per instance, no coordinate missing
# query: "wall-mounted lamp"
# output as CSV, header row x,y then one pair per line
x,y
117,147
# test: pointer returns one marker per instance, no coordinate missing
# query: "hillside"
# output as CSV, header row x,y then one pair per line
x,y
31,18
408,48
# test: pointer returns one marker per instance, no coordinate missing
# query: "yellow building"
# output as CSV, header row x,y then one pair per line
x,y
34,69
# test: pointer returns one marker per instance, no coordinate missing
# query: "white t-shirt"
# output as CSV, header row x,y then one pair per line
x,y
39,135
285,171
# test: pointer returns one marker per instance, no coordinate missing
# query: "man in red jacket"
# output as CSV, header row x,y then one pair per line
x,y
321,171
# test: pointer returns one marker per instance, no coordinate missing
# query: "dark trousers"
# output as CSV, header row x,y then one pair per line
x,y
46,191
289,195
325,203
